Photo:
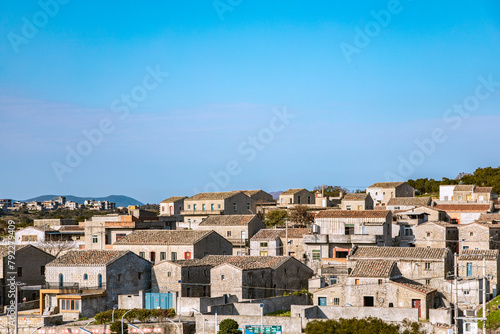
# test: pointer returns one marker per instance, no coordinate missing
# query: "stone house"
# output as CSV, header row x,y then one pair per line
x,y
29,235
492,218
470,265
339,230
464,213
293,197
25,265
202,205
378,283
427,266
259,196
170,209
237,229
466,193
160,245
408,203
382,192
437,235
251,277
357,201
83,283
277,242
479,235
194,275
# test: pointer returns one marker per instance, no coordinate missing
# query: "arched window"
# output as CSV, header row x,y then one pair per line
x,y
85,276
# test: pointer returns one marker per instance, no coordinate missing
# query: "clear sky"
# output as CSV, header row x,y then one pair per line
x,y
161,98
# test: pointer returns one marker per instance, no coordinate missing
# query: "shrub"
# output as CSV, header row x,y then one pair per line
x,y
228,326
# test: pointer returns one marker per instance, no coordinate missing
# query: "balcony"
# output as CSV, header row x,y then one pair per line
x,y
72,287
201,212
315,238
342,239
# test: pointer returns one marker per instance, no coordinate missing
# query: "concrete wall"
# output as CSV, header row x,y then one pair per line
x,y
441,316
130,301
203,304
289,325
252,308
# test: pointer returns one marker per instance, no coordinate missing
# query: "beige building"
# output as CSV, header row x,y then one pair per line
x,y
378,283
437,235
427,266
357,202
202,205
479,235
237,229
470,265
467,193
170,210
161,245
464,213
382,192
251,277
408,203
293,197
278,242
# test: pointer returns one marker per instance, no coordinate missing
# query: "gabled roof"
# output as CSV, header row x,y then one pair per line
x,y
438,223
373,268
463,207
293,191
4,249
480,223
213,196
489,217
386,184
464,187
209,260
382,214
418,253
355,197
413,285
163,237
483,190
227,220
478,254
85,258
173,199
257,262
408,201
273,234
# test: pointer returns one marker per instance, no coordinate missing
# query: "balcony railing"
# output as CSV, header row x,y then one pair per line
x,y
72,286
201,212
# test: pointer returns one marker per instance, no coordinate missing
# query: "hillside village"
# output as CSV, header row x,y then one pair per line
x,y
383,253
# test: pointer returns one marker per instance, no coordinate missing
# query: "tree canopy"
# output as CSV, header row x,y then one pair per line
x,y
361,326
331,191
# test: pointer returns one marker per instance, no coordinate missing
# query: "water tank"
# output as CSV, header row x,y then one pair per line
x,y
315,229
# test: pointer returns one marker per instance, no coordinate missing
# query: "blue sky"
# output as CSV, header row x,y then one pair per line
x,y
227,72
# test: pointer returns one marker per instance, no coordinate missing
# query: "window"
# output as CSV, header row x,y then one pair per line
x,y
203,207
228,233
333,279
99,281
218,206
85,277
428,234
427,281
119,236
173,256
465,247
194,207
298,199
212,207
142,254
427,266
356,281
316,255
95,239
19,271
42,270
391,305
248,206
349,229
379,282
169,274
235,207
222,277
263,253
348,208
119,277
466,292
139,275
189,220
189,206
70,305
263,244
471,234
368,301
29,238
163,256
360,207
336,301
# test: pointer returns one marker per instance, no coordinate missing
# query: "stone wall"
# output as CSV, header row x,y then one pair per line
x,y
289,325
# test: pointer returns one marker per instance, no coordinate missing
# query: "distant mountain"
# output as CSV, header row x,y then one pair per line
x,y
120,200
275,194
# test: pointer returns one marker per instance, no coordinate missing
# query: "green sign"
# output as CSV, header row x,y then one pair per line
x,y
266,329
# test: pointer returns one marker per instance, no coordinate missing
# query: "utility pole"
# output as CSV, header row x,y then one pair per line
x,y
484,293
456,293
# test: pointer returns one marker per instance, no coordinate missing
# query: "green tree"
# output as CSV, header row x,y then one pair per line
x,y
331,191
116,327
275,217
228,326
300,216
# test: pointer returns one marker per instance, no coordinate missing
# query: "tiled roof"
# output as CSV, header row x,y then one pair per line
x,y
463,207
86,258
163,237
355,197
483,190
292,191
257,262
273,234
489,217
438,223
477,254
464,187
173,199
213,196
480,223
398,253
4,249
209,260
71,228
382,214
386,184
228,220
413,285
417,201
373,268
